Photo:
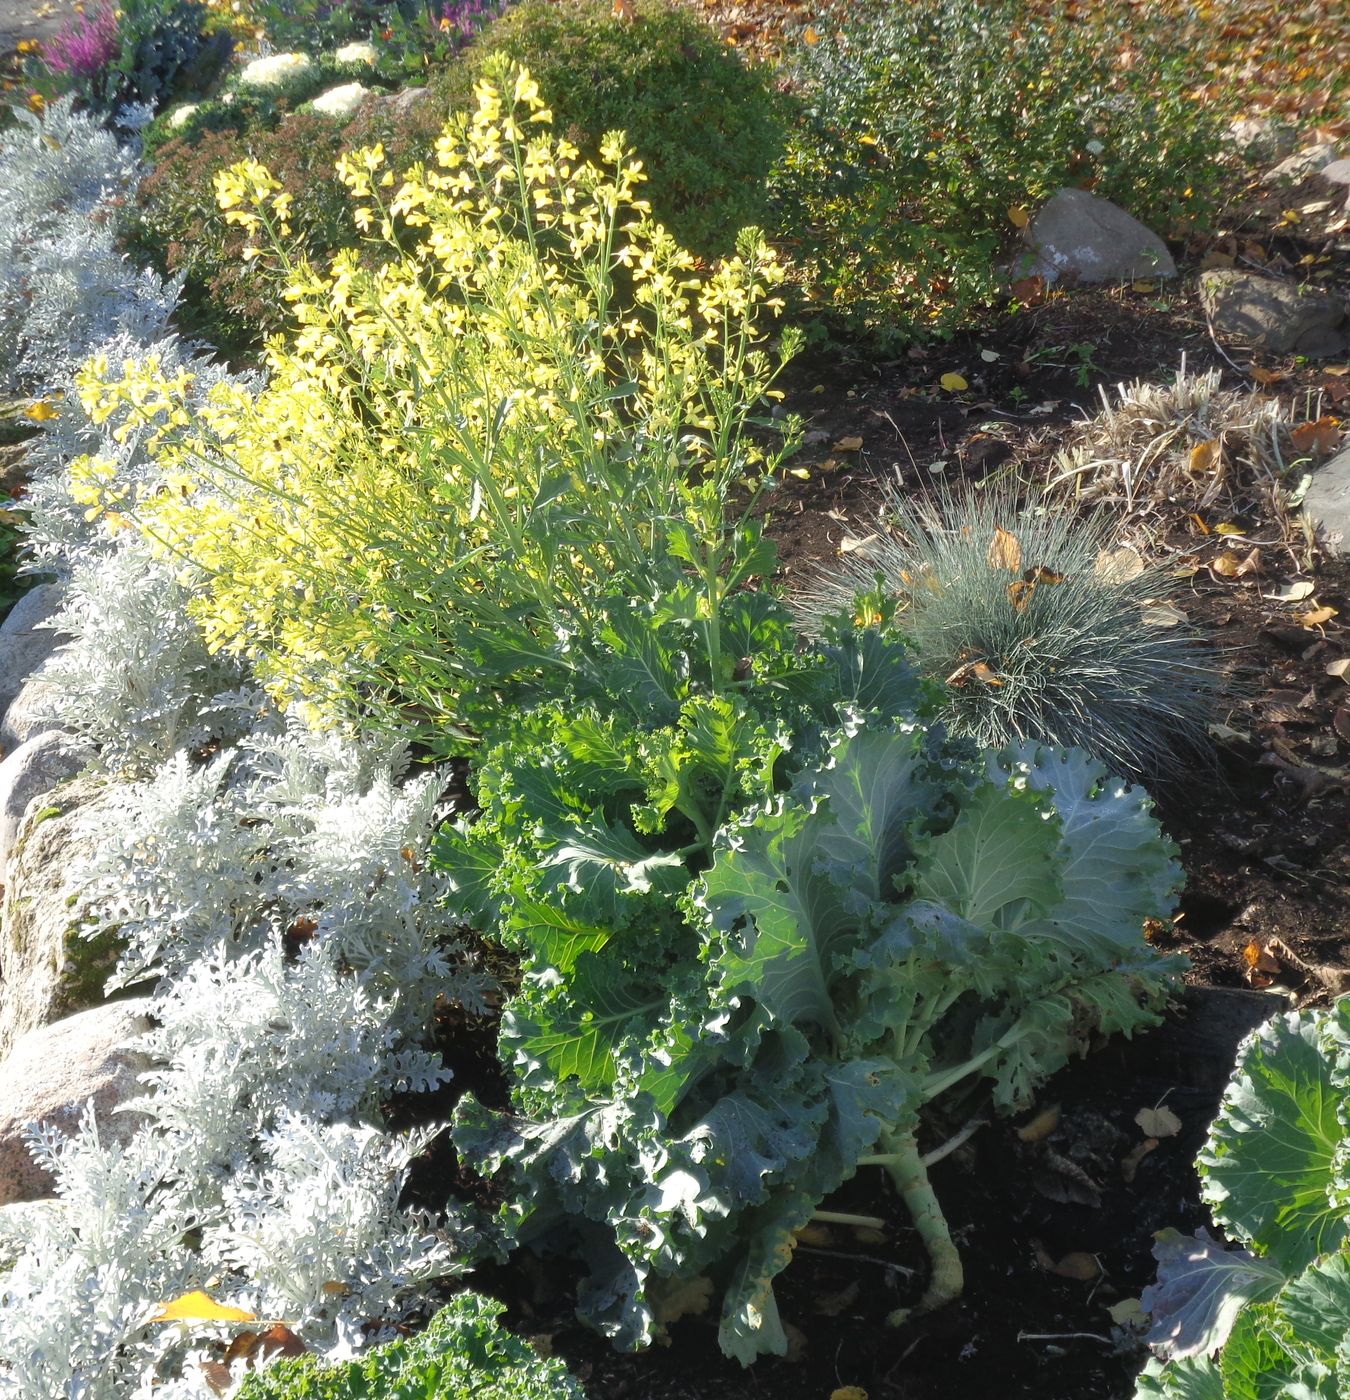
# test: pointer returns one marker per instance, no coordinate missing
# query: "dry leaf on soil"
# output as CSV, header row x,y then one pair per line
x,y
1077,1264
1162,615
1292,592
1316,618
1229,565
1205,457
953,382
848,1392
848,444
852,546
1118,565
1341,668
1158,1122
1322,436
1129,1312
1129,1164
1041,1126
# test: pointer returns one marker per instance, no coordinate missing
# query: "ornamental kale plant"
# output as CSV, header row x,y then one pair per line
x,y
763,923
1268,1316
464,1354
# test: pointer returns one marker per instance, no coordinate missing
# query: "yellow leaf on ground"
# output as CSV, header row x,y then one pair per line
x,y
810,35
848,1392
1205,457
848,444
1118,565
198,1307
1340,668
1019,216
953,382
1143,286
1316,617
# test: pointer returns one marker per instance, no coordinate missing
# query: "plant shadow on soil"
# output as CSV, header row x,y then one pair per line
x,y
1264,840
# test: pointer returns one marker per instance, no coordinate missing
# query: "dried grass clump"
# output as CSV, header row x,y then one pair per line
x,y
1189,445
1032,625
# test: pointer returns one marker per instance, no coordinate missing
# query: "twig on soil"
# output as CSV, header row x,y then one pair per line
x,y
1064,1337
857,1258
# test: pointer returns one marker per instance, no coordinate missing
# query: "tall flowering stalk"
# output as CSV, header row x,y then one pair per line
x,y
465,453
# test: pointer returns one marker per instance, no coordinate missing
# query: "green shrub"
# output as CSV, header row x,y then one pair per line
x,y
928,122
464,1354
1034,628
706,127
178,227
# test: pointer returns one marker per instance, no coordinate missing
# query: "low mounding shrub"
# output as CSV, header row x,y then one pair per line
x,y
706,127
1268,1315
1032,627
468,444
465,1354
233,303
930,123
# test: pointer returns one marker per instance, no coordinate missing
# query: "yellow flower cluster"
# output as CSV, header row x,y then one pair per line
x,y
495,426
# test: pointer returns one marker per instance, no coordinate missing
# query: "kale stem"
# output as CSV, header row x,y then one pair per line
x,y
911,1180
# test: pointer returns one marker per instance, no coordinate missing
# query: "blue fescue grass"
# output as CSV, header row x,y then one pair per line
x,y
1033,626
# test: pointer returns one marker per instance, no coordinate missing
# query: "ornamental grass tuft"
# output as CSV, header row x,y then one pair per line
x,y
1032,625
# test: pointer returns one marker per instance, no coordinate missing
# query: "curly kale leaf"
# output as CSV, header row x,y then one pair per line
x,y
464,1351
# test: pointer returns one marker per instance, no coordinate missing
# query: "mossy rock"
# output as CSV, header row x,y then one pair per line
x,y
47,970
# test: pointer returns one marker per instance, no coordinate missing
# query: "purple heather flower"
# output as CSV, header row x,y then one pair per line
x,y
86,45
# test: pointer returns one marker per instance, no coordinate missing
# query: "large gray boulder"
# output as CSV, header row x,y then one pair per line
x,y
1327,503
32,769
25,641
33,711
1268,314
53,1072
47,970
1078,237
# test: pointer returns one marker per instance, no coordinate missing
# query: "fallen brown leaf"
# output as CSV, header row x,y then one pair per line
x,y
1041,1126
1322,436
1129,1164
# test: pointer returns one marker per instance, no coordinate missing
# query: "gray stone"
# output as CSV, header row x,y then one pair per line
x,y
46,969
1301,164
1338,173
53,1072
1262,139
1272,315
32,770
1079,237
25,642
1327,503
33,711
401,103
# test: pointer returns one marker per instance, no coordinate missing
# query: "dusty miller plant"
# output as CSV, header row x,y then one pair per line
x,y
64,286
